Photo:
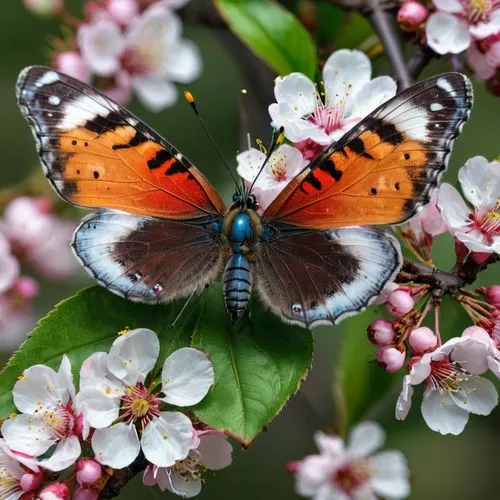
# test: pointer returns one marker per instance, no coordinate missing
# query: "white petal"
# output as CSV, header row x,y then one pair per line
x,y
313,472
40,386
472,355
9,271
249,163
19,458
298,91
167,438
478,396
494,365
183,485
491,27
289,156
345,72
452,207
116,446
441,414
95,374
215,450
133,355
420,370
364,439
403,404
331,492
391,474
474,240
329,445
99,409
480,181
184,62
66,453
155,92
186,377
372,95
447,34
101,44
453,6
66,376
27,434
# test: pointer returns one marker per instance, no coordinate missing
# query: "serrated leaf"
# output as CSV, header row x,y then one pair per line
x,y
258,366
87,323
273,33
360,382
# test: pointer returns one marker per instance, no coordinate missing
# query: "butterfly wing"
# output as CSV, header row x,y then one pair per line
x,y
98,154
384,169
313,277
147,259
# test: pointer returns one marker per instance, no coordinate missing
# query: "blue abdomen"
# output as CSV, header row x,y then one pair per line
x,y
237,285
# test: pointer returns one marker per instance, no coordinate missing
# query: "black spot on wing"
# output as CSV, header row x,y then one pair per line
x,y
328,166
138,138
313,180
101,124
357,146
159,159
176,168
386,131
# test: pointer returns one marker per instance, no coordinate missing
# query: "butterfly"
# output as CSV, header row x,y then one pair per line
x,y
316,255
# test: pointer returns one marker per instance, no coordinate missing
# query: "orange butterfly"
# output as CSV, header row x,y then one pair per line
x,y
163,232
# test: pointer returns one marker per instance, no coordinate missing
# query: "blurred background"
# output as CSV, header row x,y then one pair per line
x,y
462,467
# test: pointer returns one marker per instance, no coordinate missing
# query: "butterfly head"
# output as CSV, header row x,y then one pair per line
x,y
244,200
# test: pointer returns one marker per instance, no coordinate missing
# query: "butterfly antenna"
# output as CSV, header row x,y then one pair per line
x,y
278,138
190,99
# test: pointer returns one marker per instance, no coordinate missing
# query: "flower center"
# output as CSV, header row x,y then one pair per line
x,y
8,483
140,405
277,166
487,220
133,62
446,376
61,420
352,475
327,117
478,10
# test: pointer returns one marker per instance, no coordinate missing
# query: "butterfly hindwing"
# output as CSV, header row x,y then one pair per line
x,y
148,259
97,154
313,277
384,169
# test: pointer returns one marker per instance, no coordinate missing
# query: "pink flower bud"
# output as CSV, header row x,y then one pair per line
x,y
411,15
88,471
477,333
492,295
122,11
44,7
31,481
399,303
54,491
85,494
422,340
390,358
26,287
73,64
381,332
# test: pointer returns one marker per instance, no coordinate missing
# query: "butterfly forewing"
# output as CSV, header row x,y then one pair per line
x,y
98,154
384,169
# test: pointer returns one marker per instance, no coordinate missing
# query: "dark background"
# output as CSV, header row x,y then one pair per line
x,y
460,467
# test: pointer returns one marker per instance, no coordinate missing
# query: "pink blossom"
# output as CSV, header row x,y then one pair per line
x,y
422,340
73,64
88,471
412,14
16,321
381,332
85,494
122,11
399,303
390,358
9,265
55,491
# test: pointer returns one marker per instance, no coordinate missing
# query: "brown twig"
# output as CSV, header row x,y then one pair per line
x,y
121,477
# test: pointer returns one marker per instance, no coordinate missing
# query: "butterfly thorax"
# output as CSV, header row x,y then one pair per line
x,y
242,228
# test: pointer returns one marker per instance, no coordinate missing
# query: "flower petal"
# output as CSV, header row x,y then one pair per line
x,y
485,29
329,445
372,95
403,404
66,453
183,485
167,438
345,72
27,434
99,409
215,450
298,91
39,386
154,92
452,207
249,163
447,34
133,355
391,474
116,446
480,181
9,271
441,414
472,355
187,376
364,439
452,6
478,396
184,62
313,472
66,376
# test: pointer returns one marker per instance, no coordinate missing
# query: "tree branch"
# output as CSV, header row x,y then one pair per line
x,y
121,477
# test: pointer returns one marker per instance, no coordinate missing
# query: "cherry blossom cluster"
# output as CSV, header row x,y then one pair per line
x,y
468,27
312,118
32,237
343,472
120,406
127,46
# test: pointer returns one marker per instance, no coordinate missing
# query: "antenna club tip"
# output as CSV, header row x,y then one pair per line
x,y
189,97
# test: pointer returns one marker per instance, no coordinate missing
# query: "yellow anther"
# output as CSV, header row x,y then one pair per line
x,y
21,378
125,330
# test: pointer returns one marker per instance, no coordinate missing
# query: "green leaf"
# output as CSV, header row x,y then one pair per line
x,y
273,33
87,323
258,366
360,383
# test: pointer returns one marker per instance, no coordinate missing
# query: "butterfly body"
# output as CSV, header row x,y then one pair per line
x,y
316,254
